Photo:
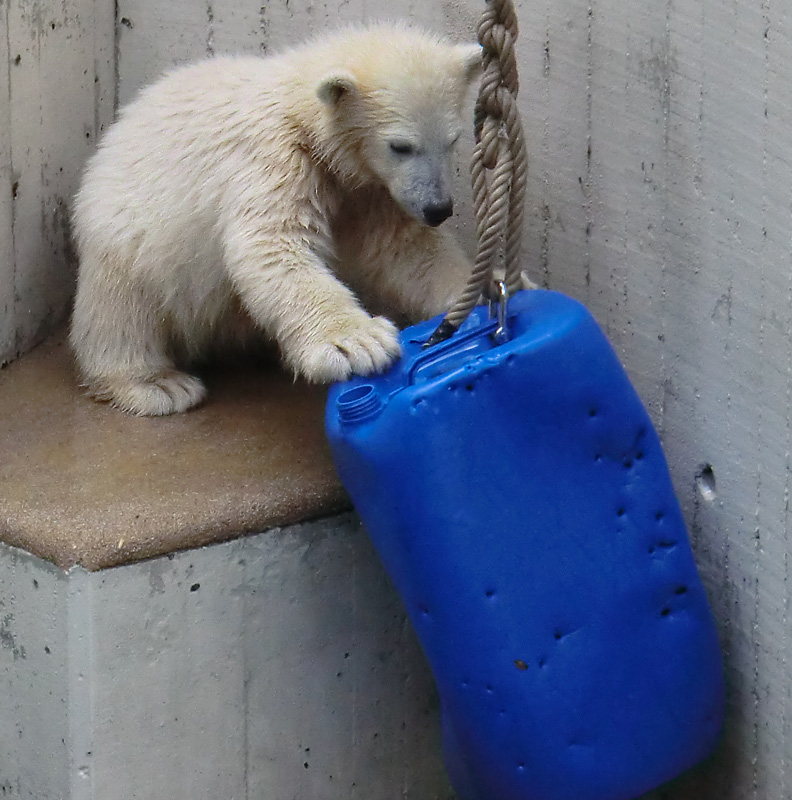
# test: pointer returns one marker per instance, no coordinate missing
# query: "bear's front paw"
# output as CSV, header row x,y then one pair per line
x,y
361,346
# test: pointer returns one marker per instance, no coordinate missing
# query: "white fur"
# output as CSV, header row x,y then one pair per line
x,y
254,195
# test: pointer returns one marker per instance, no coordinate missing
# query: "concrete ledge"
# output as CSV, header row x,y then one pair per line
x,y
83,484
273,667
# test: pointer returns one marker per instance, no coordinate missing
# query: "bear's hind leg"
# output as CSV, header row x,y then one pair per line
x,y
120,347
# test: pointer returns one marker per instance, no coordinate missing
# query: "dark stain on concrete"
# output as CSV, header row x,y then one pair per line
x,y
8,640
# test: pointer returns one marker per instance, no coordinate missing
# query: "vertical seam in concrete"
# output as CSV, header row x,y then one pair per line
x,y
80,705
785,640
96,87
729,416
589,125
544,258
210,49
760,406
116,58
354,700
664,231
698,182
404,754
13,300
724,537
42,163
786,528
246,677
262,26
625,258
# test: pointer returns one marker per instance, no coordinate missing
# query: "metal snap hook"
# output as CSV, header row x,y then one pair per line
x,y
501,333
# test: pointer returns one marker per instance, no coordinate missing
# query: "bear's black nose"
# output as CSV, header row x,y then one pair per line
x,y
437,213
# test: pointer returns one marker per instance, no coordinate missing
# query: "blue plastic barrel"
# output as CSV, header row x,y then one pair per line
x,y
520,500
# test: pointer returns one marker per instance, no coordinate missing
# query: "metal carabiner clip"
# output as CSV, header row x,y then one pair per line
x,y
501,333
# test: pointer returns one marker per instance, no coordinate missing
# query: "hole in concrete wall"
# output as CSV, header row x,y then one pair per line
x,y
705,482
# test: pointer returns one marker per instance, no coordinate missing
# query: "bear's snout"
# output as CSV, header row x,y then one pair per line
x,y
436,213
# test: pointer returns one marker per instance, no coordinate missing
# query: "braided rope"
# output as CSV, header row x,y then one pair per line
x,y
499,167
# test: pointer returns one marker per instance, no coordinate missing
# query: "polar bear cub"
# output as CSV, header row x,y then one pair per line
x,y
275,196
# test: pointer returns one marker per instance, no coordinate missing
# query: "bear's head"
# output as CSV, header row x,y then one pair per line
x,y
395,111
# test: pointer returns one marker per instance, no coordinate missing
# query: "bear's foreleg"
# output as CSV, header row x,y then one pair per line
x,y
399,266
433,271
290,292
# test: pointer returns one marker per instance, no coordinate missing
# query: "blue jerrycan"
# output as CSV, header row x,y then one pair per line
x,y
520,500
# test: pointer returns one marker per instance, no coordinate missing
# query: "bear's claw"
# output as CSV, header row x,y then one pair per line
x,y
367,348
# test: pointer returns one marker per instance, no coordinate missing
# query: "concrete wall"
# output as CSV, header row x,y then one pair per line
x,y
57,86
272,667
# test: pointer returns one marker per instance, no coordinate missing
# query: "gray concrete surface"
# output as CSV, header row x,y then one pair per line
x,y
35,749
57,85
274,667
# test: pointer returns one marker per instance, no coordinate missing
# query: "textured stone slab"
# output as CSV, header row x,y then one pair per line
x,y
82,483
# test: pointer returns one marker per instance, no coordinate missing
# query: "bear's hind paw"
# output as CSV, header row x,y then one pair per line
x,y
166,393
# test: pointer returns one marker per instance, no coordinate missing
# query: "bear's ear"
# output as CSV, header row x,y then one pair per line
x,y
470,56
334,86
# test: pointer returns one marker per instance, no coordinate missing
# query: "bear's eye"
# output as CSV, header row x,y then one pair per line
x,y
401,148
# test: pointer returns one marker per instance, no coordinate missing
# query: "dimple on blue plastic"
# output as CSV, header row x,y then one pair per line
x,y
520,500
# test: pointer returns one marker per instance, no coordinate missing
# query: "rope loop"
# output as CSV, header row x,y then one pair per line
x,y
499,165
